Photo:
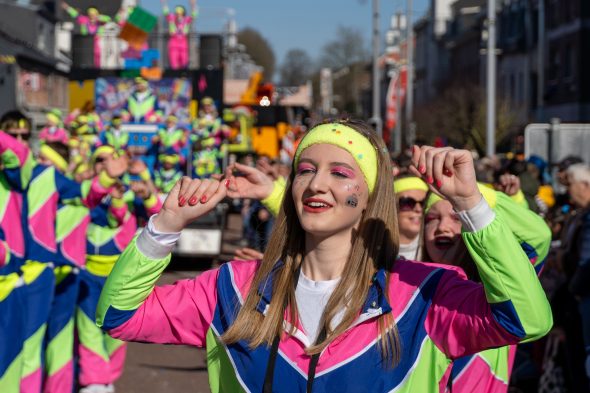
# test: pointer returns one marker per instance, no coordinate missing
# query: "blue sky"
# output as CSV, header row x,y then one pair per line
x,y
304,24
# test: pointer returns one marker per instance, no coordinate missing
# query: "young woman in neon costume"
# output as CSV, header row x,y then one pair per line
x,y
329,307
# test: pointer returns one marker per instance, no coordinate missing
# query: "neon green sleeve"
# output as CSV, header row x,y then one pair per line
x,y
131,281
274,200
512,287
529,228
520,199
72,12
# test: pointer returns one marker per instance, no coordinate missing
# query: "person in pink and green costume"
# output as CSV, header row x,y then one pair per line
x,y
490,370
114,136
54,131
179,27
90,24
384,323
172,137
12,328
101,358
168,171
45,189
34,279
142,104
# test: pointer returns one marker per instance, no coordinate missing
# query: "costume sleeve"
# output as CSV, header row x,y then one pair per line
x,y
4,250
529,228
152,205
274,200
509,306
72,12
88,193
17,160
132,308
520,199
117,211
579,284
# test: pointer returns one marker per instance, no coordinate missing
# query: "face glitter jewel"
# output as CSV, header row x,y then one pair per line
x,y
352,201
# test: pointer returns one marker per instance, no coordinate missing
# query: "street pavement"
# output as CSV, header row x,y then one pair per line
x,y
154,368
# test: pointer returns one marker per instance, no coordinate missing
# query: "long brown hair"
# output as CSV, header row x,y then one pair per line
x,y
374,246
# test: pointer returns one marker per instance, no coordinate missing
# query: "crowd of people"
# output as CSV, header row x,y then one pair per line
x,y
73,196
428,271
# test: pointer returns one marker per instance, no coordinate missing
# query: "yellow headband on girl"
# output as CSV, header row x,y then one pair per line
x,y
489,194
409,183
347,138
54,157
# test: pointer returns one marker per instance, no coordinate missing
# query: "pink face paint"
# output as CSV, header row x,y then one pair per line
x,y
343,171
304,167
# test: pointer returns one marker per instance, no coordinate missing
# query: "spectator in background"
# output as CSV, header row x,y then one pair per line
x,y
579,250
570,291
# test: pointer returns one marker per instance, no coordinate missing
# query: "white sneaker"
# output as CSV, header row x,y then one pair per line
x,y
110,388
97,388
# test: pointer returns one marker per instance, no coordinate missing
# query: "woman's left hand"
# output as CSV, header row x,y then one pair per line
x,y
449,172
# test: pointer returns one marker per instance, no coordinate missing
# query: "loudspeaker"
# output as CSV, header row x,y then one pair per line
x,y
210,49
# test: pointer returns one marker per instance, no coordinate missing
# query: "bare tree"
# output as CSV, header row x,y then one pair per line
x,y
346,56
459,114
296,68
348,48
259,50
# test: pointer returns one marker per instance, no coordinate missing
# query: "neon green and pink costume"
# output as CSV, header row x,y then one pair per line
x,y
440,316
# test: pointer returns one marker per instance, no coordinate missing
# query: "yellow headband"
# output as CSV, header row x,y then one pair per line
x,y
54,118
83,167
102,150
169,158
54,157
409,183
347,138
489,194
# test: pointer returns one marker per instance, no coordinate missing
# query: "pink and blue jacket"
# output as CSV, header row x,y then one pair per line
x,y
72,227
45,189
11,203
440,316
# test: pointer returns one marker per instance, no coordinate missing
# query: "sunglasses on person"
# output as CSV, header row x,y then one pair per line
x,y
408,203
24,135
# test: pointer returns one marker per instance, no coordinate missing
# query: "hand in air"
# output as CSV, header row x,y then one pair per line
x,y
449,172
508,184
188,200
251,183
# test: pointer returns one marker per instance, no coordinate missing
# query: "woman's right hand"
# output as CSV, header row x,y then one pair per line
x,y
252,183
188,200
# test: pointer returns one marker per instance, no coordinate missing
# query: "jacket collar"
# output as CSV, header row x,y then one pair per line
x,y
375,303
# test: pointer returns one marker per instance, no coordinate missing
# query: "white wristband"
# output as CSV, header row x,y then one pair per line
x,y
155,244
478,217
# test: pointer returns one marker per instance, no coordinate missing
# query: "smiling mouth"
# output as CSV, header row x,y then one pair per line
x,y
443,242
315,206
